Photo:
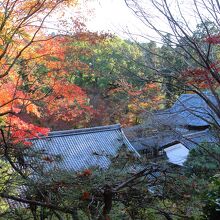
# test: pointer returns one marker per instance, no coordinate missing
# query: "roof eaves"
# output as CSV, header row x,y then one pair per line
x,y
81,131
128,144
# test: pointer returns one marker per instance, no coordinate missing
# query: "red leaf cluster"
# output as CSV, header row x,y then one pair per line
x,y
87,172
85,195
213,39
21,130
200,77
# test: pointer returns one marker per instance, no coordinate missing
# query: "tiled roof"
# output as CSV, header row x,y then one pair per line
x,y
163,140
194,139
173,124
189,109
156,141
82,148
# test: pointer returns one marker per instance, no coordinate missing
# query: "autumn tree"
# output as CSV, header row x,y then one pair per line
x,y
61,108
40,83
189,35
198,50
22,23
26,85
92,61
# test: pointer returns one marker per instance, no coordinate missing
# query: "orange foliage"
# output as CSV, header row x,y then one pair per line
x,y
21,130
12,102
201,77
135,101
20,85
142,99
65,102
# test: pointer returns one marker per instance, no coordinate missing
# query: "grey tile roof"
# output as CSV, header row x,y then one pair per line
x,y
162,140
189,109
82,148
75,150
194,139
156,141
172,125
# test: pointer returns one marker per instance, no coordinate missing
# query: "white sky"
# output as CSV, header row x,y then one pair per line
x,y
111,15
114,16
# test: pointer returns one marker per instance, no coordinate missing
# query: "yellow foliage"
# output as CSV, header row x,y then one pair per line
x,y
144,104
31,108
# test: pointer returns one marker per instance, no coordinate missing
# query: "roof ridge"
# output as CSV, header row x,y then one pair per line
x,y
82,131
195,134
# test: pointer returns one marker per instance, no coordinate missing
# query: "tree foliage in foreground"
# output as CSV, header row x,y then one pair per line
x,y
130,188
